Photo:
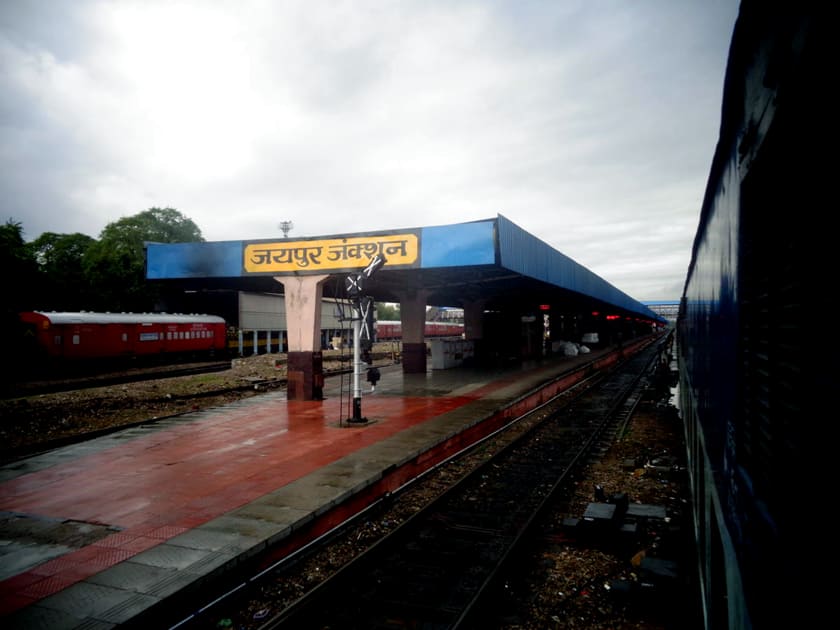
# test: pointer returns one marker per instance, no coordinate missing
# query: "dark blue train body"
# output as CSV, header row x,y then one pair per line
x,y
753,373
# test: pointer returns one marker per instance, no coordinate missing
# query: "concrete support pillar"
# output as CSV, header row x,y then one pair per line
x,y
569,329
413,320
474,320
474,327
303,323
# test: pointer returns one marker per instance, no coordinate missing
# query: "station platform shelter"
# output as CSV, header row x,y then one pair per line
x,y
517,292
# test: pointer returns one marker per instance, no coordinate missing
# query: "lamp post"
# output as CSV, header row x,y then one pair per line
x,y
286,227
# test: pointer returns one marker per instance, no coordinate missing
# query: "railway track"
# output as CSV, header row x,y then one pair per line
x,y
443,566
90,377
118,377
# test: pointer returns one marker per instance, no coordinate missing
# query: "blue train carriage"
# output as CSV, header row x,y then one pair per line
x,y
751,377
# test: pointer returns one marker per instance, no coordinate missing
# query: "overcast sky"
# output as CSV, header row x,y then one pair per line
x,y
590,124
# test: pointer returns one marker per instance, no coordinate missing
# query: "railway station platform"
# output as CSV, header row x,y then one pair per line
x,y
101,534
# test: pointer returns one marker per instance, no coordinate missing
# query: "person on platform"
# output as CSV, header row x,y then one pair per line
x,y
373,377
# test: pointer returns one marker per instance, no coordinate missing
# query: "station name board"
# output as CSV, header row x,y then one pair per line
x,y
330,254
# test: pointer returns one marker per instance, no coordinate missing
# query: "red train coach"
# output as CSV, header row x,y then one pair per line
x,y
81,336
388,330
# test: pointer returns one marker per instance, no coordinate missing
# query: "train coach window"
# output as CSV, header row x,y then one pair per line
x,y
57,340
125,337
76,340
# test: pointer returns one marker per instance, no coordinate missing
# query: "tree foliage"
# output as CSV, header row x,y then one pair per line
x,y
21,276
387,312
157,225
19,268
64,285
116,264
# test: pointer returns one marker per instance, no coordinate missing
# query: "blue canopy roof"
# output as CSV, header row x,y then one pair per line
x,y
493,259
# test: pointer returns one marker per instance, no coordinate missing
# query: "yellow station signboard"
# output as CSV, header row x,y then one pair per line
x,y
330,254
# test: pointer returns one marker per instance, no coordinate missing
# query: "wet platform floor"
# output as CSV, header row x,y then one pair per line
x,y
97,534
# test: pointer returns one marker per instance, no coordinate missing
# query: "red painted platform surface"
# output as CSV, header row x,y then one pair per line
x,y
156,494
156,486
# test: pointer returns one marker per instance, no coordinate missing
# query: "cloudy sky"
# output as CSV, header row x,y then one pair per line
x,y
588,123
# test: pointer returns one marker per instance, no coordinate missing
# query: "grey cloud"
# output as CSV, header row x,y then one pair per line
x,y
569,118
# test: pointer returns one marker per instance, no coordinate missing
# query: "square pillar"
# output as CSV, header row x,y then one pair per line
x,y
413,320
305,370
305,376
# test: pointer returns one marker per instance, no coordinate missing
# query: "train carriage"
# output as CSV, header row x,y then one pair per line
x,y
388,330
72,337
754,379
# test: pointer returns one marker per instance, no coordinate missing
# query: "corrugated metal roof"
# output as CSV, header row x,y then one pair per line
x,y
526,254
493,259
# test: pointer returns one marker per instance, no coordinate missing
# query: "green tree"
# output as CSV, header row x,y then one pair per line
x,y
19,269
387,312
158,225
115,265
59,258
20,288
